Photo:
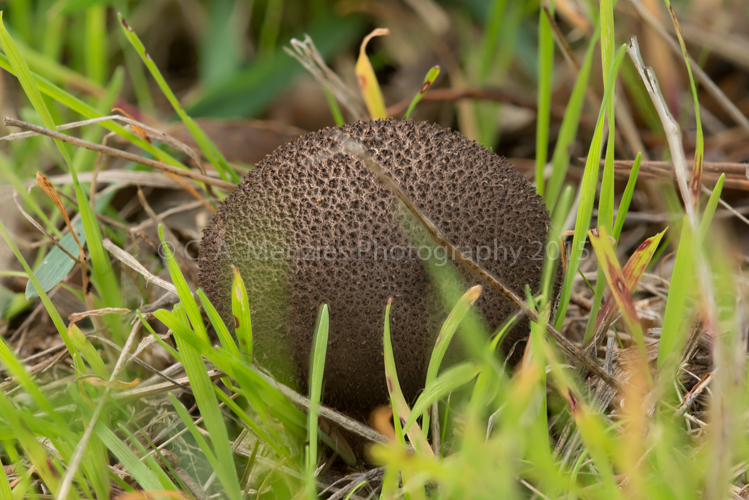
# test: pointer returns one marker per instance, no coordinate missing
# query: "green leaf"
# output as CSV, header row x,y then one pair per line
x,y
587,198
621,214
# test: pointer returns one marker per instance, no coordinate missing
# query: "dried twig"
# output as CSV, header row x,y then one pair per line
x,y
133,264
12,122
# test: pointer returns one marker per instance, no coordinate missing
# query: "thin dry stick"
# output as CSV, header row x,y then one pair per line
x,y
133,263
151,132
670,127
94,175
332,415
12,122
357,150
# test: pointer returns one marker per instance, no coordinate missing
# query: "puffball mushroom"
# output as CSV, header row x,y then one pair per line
x,y
311,225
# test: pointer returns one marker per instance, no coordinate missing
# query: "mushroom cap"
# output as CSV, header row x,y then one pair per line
x,y
311,225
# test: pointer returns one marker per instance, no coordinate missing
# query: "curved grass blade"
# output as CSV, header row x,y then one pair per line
x,y
453,378
401,411
206,144
370,88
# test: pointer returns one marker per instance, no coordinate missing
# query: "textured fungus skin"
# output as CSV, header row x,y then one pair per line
x,y
309,194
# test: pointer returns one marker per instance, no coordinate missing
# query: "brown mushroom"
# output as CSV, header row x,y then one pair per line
x,y
312,225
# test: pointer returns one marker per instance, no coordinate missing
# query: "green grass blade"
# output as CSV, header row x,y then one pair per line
x,y
454,377
317,364
543,115
449,327
103,274
141,472
200,382
621,214
587,198
682,281
560,159
401,411
712,205
218,324
205,143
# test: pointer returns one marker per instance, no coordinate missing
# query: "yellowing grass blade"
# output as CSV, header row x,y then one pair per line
x,y
607,260
368,85
633,270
